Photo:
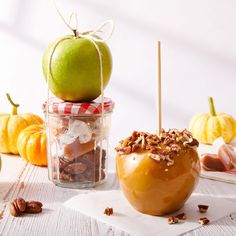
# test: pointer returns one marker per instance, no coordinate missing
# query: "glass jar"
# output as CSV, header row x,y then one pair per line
x,y
77,142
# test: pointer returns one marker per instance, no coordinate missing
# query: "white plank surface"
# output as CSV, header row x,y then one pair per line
x,y
57,220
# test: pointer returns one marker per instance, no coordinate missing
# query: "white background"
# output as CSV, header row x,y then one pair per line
x,y
198,50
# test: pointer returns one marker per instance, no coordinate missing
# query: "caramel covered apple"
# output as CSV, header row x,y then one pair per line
x,y
158,173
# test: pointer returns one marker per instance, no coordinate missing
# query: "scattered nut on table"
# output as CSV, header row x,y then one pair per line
x,y
108,211
203,221
172,220
33,207
181,216
203,208
19,206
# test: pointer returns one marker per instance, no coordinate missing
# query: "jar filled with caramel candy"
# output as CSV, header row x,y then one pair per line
x,y
77,142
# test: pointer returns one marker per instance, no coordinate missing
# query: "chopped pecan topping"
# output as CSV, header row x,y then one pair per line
x,y
155,156
175,148
170,161
187,133
162,147
194,142
134,135
135,147
168,140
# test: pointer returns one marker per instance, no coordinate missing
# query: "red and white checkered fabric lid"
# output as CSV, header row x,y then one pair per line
x,y
59,106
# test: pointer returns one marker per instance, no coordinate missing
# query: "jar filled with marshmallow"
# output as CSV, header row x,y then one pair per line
x,y
77,142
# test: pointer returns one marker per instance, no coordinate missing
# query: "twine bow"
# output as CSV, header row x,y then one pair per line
x,y
91,34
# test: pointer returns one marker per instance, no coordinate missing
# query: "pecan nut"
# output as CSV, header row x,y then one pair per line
x,y
33,207
21,204
17,207
108,211
14,210
83,168
75,168
62,163
67,177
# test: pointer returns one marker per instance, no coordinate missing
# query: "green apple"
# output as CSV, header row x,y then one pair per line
x,y
74,73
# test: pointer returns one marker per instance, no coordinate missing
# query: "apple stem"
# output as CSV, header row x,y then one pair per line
x,y
212,106
75,32
15,106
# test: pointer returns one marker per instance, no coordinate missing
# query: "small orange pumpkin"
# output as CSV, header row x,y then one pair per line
x,y
31,145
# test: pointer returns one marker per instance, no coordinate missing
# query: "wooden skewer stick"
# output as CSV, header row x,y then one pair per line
x,y
159,108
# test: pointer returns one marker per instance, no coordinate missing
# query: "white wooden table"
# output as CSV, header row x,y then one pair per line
x,y
20,179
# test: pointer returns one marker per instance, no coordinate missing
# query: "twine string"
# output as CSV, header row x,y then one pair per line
x,y
73,15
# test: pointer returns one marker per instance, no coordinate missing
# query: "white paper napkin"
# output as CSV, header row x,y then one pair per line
x,y
135,223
